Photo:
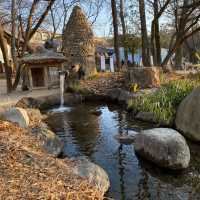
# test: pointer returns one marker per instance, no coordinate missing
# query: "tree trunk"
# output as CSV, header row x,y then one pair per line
x,y
157,35
133,58
123,28
8,69
191,51
153,51
116,35
178,58
171,52
157,42
145,43
13,43
13,39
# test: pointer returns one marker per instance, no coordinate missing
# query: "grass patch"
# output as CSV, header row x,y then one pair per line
x,y
164,102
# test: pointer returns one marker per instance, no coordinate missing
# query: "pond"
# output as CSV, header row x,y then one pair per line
x,y
86,132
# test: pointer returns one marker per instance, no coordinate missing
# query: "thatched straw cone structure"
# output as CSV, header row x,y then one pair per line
x,y
78,42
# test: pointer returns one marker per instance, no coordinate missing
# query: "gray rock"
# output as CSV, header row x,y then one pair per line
x,y
50,141
113,94
124,96
126,139
119,95
164,147
188,115
17,115
92,172
46,102
146,117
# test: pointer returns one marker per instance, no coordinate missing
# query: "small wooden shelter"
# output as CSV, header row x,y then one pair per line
x,y
43,68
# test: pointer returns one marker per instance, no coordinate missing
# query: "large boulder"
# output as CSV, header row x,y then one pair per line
x,y
17,115
164,147
188,115
50,141
145,77
92,172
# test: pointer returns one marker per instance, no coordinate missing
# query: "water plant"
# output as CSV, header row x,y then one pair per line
x,y
165,101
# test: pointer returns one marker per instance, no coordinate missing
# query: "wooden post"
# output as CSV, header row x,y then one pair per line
x,y
46,78
30,78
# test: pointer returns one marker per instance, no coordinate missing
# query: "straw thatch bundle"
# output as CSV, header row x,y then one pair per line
x,y
78,42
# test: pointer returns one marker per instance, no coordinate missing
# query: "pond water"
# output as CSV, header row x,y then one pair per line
x,y
86,134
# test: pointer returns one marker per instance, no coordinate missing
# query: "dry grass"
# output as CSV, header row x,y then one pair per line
x,y
173,76
27,172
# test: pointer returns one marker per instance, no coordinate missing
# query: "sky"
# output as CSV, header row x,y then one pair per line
x,y
102,26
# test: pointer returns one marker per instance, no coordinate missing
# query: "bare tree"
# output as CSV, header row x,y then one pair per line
x,y
31,25
122,17
145,42
8,69
116,34
158,10
187,16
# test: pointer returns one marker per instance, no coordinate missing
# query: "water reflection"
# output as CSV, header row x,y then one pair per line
x,y
84,129
122,172
132,178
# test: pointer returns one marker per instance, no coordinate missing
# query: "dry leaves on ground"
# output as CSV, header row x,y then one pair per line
x,y
27,172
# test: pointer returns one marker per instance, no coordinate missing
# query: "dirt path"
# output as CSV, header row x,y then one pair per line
x,y
13,98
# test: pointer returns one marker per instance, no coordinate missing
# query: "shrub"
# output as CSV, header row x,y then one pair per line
x,y
164,102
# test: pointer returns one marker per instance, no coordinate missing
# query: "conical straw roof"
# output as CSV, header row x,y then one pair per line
x,y
78,35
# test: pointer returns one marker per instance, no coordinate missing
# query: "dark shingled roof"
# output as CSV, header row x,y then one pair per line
x,y
44,57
